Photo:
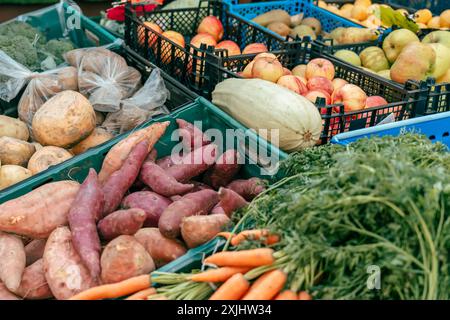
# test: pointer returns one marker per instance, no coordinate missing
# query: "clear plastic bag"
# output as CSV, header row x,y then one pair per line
x,y
147,102
104,77
13,77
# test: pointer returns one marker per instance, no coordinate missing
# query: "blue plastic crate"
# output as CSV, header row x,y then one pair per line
x,y
435,6
329,20
436,127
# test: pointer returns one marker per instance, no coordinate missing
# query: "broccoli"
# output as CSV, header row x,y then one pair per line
x,y
18,28
20,49
57,48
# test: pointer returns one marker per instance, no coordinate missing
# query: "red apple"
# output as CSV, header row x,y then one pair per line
x,y
255,48
211,25
203,38
231,46
375,101
320,83
292,83
247,72
265,55
287,72
151,36
302,79
352,96
299,70
319,68
337,83
267,69
318,93
166,47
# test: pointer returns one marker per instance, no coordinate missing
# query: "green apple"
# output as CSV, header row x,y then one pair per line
x,y
445,78
385,73
348,56
395,41
374,58
438,37
415,62
442,62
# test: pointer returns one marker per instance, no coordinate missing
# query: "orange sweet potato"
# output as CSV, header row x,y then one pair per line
x,y
121,222
248,189
5,294
224,170
191,136
33,284
229,202
12,260
197,230
34,250
37,213
152,203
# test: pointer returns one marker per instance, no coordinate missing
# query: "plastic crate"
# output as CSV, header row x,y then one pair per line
x,y
435,6
403,101
188,64
436,127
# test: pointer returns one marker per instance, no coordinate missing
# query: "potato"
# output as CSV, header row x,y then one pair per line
x,y
97,137
64,120
123,258
46,157
12,174
37,145
15,151
68,78
12,260
14,128
64,271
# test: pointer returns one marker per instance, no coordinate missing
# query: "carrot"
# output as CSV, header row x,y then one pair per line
x,y
287,295
218,275
303,295
268,287
226,235
232,289
115,290
243,258
142,295
255,235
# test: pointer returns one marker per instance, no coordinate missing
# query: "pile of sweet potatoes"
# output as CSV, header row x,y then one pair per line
x,y
139,213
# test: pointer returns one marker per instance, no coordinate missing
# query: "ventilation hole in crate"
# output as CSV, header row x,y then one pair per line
x,y
432,137
445,134
42,183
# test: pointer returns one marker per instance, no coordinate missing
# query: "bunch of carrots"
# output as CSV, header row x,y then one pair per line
x,y
256,274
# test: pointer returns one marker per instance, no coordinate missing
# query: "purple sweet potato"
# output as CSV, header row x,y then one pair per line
x,y
197,230
229,202
248,189
86,209
12,260
123,258
5,294
162,250
194,163
152,203
121,180
120,222
161,182
196,203
33,284
34,250
191,136
224,170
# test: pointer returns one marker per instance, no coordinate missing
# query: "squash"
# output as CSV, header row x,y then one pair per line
x,y
64,120
46,157
260,104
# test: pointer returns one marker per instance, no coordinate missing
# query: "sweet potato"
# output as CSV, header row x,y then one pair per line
x,y
152,203
65,273
121,180
152,155
39,212
229,202
248,189
191,136
176,198
162,182
33,284
165,162
162,250
121,222
12,260
34,250
123,258
197,230
224,170
119,153
5,294
85,211
194,163
196,203
198,186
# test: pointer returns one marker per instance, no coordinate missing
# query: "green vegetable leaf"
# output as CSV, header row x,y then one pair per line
x,y
390,18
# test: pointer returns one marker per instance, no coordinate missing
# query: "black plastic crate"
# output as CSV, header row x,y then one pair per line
x,y
403,101
188,64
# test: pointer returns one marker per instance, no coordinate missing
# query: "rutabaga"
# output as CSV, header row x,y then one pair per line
x,y
259,104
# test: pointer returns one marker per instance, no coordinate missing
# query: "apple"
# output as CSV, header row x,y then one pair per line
x,y
348,56
442,62
302,79
299,70
166,47
337,83
314,94
385,73
265,55
445,78
439,36
434,23
292,83
247,72
320,67
395,41
151,36
352,96
287,72
203,38
320,83
374,59
212,26
267,69
444,20
231,46
375,101
255,48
